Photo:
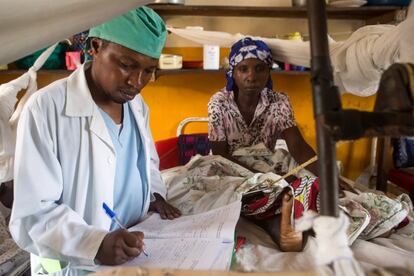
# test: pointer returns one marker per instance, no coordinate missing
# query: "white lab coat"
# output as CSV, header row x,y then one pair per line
x,y
64,171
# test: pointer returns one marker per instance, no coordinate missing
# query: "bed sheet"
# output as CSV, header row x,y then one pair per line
x,y
211,181
261,254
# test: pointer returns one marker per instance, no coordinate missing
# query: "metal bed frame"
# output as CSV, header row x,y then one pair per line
x,y
183,123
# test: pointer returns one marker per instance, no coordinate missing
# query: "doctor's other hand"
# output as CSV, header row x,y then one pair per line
x,y
162,207
119,247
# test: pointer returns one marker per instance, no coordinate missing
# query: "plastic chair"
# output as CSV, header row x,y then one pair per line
x,y
167,152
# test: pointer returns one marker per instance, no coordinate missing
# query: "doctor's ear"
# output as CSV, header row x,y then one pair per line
x,y
97,45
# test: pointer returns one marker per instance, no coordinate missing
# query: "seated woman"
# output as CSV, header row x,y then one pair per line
x,y
248,112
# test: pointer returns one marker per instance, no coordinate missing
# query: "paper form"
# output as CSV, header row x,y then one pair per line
x,y
215,224
194,254
202,241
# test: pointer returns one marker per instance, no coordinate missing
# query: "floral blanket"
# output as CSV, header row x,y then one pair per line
x,y
208,182
262,159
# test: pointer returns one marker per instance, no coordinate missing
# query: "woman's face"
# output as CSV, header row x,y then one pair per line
x,y
251,76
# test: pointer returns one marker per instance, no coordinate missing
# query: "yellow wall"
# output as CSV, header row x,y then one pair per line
x,y
175,97
172,98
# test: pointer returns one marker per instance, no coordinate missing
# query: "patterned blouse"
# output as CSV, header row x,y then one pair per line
x,y
273,115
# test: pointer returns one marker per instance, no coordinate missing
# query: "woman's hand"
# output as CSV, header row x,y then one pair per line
x,y
120,246
162,207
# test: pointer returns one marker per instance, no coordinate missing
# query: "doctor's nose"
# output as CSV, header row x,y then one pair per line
x,y
136,80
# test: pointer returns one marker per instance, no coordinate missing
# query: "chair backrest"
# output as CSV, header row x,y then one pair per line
x,y
177,151
192,144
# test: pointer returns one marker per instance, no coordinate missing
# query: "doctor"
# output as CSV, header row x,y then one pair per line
x,y
85,140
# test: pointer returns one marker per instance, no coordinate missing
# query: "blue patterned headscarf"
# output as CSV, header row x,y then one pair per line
x,y
244,49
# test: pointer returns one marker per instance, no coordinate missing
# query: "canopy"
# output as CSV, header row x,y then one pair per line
x,y
358,62
27,26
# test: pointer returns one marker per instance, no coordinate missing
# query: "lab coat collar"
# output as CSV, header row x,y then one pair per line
x,y
79,102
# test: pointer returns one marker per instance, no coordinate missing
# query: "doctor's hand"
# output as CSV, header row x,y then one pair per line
x,y
119,247
162,207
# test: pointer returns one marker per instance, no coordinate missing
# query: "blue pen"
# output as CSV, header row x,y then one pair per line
x,y
113,217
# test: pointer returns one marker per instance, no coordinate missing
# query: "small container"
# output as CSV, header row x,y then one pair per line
x,y
287,67
211,57
167,62
73,60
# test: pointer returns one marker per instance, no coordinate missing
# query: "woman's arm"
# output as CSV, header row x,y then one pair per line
x,y
298,148
302,152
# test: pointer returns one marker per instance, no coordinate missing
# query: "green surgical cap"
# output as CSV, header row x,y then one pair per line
x,y
141,30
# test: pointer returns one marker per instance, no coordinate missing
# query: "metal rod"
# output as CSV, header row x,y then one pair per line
x,y
383,146
325,98
349,124
328,171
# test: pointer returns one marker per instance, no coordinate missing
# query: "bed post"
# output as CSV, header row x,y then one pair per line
x,y
325,99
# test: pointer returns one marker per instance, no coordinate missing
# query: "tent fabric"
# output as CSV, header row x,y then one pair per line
x,y
406,45
49,21
28,26
358,62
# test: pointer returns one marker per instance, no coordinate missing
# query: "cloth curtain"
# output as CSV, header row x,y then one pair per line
x,y
406,44
9,116
33,25
28,26
358,62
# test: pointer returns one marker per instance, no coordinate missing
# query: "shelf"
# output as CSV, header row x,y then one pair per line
x,y
361,13
159,73
167,72
40,72
219,71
